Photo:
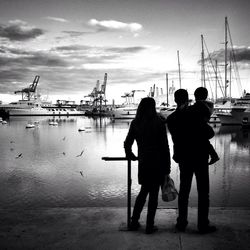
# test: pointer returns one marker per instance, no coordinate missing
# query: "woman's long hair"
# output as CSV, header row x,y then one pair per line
x,y
146,111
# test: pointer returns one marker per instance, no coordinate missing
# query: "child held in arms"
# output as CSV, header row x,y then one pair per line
x,y
205,110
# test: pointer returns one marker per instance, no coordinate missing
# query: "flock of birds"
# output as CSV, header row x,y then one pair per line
x,y
20,155
53,123
31,125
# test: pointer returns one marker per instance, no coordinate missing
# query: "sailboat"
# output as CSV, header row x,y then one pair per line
x,y
235,111
170,107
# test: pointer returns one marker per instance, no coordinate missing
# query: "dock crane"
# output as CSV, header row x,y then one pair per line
x,y
129,97
102,92
98,94
28,93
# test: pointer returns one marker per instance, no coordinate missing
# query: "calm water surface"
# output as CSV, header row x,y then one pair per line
x,y
52,172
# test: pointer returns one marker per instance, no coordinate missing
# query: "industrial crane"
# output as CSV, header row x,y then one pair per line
x,y
28,93
98,94
129,97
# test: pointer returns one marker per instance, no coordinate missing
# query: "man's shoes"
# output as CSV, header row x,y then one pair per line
x,y
180,228
206,230
134,225
151,229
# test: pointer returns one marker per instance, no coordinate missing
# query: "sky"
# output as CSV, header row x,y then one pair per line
x,y
71,44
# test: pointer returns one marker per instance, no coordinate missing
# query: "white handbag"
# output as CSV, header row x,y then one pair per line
x,y
168,190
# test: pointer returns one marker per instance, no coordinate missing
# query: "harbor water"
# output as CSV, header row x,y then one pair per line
x,y
60,166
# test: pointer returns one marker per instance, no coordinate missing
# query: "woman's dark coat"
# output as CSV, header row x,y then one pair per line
x,y
153,150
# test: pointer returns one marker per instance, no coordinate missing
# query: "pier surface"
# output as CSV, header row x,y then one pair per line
x,y
98,228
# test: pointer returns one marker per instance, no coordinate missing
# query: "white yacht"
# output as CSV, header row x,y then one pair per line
x,y
238,113
62,108
124,112
32,105
22,107
38,108
128,109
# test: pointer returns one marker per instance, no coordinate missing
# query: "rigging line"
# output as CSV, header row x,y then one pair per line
x,y
236,66
237,75
210,59
209,81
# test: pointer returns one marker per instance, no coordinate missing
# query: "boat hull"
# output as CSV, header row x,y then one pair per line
x,y
43,112
32,108
123,113
235,117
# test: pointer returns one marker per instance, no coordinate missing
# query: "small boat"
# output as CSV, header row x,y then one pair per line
x,y
53,123
30,125
81,129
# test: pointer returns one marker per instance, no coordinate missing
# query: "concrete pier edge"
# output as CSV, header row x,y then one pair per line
x,y
98,228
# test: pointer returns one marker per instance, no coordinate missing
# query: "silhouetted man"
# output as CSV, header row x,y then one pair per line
x,y
191,150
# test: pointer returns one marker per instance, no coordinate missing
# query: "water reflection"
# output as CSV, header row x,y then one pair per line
x,y
232,144
52,172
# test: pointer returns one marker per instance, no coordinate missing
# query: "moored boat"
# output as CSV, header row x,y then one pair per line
x,y
37,108
53,123
124,112
238,113
32,105
30,125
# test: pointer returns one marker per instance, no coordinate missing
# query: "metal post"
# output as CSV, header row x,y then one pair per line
x,y
226,27
179,67
167,87
129,183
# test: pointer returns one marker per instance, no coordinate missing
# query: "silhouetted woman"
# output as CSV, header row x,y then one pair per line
x,y
149,132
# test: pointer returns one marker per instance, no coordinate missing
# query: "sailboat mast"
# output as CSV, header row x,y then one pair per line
x,y
179,67
216,79
230,75
226,42
203,80
167,87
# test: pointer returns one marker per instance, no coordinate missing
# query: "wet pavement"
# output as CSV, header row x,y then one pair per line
x,y
98,228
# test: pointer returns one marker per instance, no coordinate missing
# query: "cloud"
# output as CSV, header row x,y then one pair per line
x,y
112,25
94,49
73,33
18,30
56,19
95,54
64,69
18,22
26,59
133,49
241,54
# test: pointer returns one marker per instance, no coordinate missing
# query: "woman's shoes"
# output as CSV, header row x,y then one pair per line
x,y
180,227
134,226
206,230
151,229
